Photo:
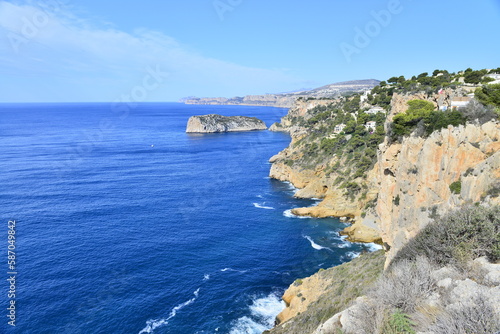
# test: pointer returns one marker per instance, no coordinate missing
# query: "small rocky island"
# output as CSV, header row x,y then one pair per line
x,y
218,123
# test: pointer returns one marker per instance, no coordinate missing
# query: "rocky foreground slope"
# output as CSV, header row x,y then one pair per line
x,y
218,123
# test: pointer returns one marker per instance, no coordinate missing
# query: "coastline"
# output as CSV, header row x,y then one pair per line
x,y
312,289
390,187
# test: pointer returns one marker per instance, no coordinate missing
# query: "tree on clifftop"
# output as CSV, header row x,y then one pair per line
x,y
474,77
404,123
489,95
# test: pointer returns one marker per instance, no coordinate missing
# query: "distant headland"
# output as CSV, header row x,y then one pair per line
x,y
287,100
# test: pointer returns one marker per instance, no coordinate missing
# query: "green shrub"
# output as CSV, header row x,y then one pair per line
x,y
404,123
437,120
398,323
494,190
474,77
456,187
489,95
396,200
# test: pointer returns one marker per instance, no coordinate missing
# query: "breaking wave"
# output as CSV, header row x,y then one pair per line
x,y
152,324
260,206
263,311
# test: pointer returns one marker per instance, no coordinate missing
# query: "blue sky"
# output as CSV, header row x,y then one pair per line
x,y
82,51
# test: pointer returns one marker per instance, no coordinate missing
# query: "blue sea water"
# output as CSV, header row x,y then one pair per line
x,y
126,224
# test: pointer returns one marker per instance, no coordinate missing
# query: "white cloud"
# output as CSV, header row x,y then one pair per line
x,y
101,61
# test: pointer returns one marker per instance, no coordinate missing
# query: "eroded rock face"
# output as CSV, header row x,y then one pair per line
x,y
415,178
218,123
410,183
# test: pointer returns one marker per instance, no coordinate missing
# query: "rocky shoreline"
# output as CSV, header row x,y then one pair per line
x,y
408,186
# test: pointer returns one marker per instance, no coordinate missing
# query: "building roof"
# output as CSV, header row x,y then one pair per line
x,y
461,99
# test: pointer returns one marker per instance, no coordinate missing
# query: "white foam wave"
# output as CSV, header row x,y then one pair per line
x,y
352,255
288,213
291,187
344,243
263,311
234,270
313,244
152,324
260,206
260,196
373,247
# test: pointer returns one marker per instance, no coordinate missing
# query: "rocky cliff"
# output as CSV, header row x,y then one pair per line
x,y
416,173
413,181
218,123
320,178
414,178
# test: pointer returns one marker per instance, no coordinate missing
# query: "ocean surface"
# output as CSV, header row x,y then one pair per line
x,y
126,224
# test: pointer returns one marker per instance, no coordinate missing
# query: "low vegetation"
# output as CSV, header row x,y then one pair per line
x,y
348,281
456,187
489,95
397,301
463,235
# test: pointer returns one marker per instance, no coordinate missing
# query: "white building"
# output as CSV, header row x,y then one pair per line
x,y
371,126
375,110
458,102
339,128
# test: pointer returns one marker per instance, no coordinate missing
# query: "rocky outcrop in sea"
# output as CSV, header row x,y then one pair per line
x,y
218,123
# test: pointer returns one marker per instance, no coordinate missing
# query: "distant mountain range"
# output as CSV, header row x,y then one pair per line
x,y
286,100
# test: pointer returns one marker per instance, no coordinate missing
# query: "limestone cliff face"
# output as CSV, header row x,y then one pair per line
x,y
316,181
415,176
218,123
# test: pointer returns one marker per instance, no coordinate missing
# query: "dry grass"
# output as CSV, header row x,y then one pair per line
x,y
348,281
463,235
476,316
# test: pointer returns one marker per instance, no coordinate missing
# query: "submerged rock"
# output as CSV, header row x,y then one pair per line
x,y
218,123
